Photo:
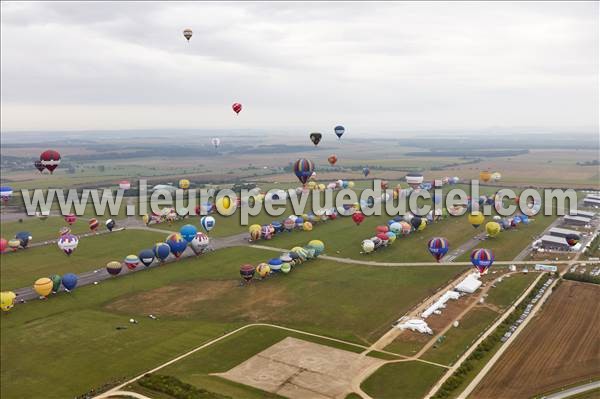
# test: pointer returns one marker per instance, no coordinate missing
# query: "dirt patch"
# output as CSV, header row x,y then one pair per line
x,y
450,312
299,369
558,348
206,297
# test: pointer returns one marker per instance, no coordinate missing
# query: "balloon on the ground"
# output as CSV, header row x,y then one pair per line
x,y
318,246
176,244
161,251
285,268
43,286
146,256
263,270
56,281
68,243
368,246
200,243
188,232
358,217
315,137
492,229
391,236
14,244
69,281
132,261
237,108
275,264
475,218
3,244
307,226
339,131
50,159
110,224
113,267
93,223
482,259
7,300
24,237
438,247
247,272
303,169
187,33
207,223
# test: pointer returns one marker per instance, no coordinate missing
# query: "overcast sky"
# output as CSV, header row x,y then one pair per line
x,y
382,66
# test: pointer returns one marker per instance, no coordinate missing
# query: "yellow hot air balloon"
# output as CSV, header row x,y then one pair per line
x,y
350,184
225,206
322,187
184,184
254,227
14,244
43,286
7,300
476,218
263,270
311,185
492,229
146,219
307,226
485,176
422,225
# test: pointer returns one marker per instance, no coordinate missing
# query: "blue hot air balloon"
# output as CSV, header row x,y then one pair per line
x,y
339,131
176,244
366,172
69,281
275,264
161,250
146,257
438,247
188,232
23,237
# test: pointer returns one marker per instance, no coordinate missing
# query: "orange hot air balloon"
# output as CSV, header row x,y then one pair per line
x,y
485,176
332,159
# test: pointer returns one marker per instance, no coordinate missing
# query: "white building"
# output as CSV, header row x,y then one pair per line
x,y
470,284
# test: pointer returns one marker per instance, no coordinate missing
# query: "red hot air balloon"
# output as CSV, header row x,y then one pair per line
x,y
358,217
332,159
50,159
93,223
237,108
70,218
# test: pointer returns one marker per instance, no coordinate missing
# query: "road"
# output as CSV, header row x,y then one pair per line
x,y
573,391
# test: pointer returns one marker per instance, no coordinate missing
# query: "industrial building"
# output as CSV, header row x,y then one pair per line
x,y
591,201
585,214
553,242
558,232
576,220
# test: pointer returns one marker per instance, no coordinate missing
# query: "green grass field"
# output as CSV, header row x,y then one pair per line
x,y
507,291
77,331
22,268
407,380
44,230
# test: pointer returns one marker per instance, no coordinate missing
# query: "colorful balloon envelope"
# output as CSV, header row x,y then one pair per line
x,y
24,237
485,176
482,259
476,218
200,243
247,272
43,286
69,281
38,165
207,223
438,247
146,257
339,131
176,244
70,219
358,217
161,251
64,231
332,159
7,300
572,239
110,224
318,246
286,267
382,229
50,160
391,236
366,171
315,138
68,243
368,246
492,229
14,244
131,261
184,184
263,270
303,169
307,226
275,264
237,108
93,224
113,268
188,232
56,281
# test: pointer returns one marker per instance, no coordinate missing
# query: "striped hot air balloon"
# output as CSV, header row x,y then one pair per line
x,y
438,247
482,259
303,169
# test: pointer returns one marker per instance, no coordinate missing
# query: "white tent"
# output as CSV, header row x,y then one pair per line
x,y
416,325
470,284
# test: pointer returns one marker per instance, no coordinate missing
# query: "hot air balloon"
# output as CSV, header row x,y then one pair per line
x,y
3,245
70,219
485,176
14,244
43,286
110,224
303,169
255,234
415,222
247,272
7,300
56,281
132,261
188,232
24,237
216,142
368,246
358,217
176,244
332,159
38,165
391,236
161,251
184,184
275,264
50,159
366,171
496,176
6,193
146,219
482,259
200,243
307,226
438,247
263,270
339,131
93,223
207,223
68,243
315,138
289,224
286,267
237,108
187,33
69,281
492,229
572,239
414,180
124,185
476,219
384,184
64,231
113,267
382,229
146,256
318,246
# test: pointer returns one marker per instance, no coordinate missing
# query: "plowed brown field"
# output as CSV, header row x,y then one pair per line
x,y
561,347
